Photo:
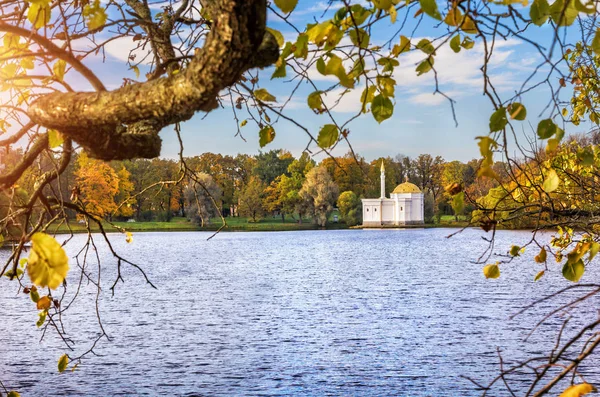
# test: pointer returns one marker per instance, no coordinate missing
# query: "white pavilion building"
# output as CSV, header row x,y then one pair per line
x,y
404,207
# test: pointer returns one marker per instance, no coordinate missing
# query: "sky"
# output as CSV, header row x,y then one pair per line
x,y
422,122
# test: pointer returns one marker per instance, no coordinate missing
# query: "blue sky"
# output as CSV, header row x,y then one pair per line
x,y
422,122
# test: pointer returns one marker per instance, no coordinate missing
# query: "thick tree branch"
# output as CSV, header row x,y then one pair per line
x,y
107,124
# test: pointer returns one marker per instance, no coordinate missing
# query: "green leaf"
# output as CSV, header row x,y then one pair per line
x,y
596,42
359,38
266,136
517,111
498,120
546,128
387,85
382,4
367,97
335,67
55,139
41,318
430,8
263,95
564,14
278,36
328,136
280,71
539,12
467,43
426,46
491,271
573,271
455,43
382,108
539,275
63,361
514,250
301,46
425,66
315,102
286,6
551,181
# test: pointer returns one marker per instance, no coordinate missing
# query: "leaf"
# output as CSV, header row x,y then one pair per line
x,y
468,26
425,66
359,38
367,97
387,85
393,14
596,42
455,43
467,43
573,271
286,6
546,128
402,47
315,102
63,361
458,203
55,139
41,318
263,95
430,8
578,390
539,12
59,69
278,36
328,136
426,46
243,123
266,135
382,108
95,15
541,257
517,111
34,294
13,393
1,240
551,181
335,67
491,271
454,17
498,120
514,250
301,46
539,275
564,15
136,70
382,4
129,237
38,14
47,264
44,303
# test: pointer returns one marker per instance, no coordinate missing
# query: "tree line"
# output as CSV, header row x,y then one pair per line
x,y
271,183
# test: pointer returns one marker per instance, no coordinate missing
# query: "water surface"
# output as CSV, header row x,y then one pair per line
x,y
312,313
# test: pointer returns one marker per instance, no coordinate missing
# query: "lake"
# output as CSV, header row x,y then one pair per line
x,y
311,313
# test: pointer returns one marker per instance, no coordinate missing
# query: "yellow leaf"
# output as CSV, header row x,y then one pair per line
x,y
278,36
541,257
286,6
129,237
551,181
55,139
491,271
136,70
578,390
38,14
263,95
539,275
393,14
13,394
44,303
59,69
47,264
95,15
63,361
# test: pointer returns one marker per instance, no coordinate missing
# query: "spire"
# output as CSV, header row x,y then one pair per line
x,y
382,180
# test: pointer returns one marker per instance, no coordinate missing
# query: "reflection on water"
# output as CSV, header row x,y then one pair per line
x,y
365,313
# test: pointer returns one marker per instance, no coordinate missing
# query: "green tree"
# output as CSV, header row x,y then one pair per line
x,y
350,208
251,199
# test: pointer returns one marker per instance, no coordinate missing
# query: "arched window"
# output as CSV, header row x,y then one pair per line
x,y
367,210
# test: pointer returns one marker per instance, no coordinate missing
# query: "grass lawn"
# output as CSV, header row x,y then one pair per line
x,y
182,224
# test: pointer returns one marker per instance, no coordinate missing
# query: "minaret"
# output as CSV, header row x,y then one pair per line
x,y
382,180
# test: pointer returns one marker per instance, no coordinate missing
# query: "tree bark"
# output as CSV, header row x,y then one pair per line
x,y
124,123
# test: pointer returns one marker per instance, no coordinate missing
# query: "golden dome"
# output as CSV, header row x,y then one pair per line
x,y
407,187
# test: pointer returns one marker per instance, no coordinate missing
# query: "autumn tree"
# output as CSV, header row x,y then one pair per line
x,y
201,197
98,184
350,208
319,194
251,199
